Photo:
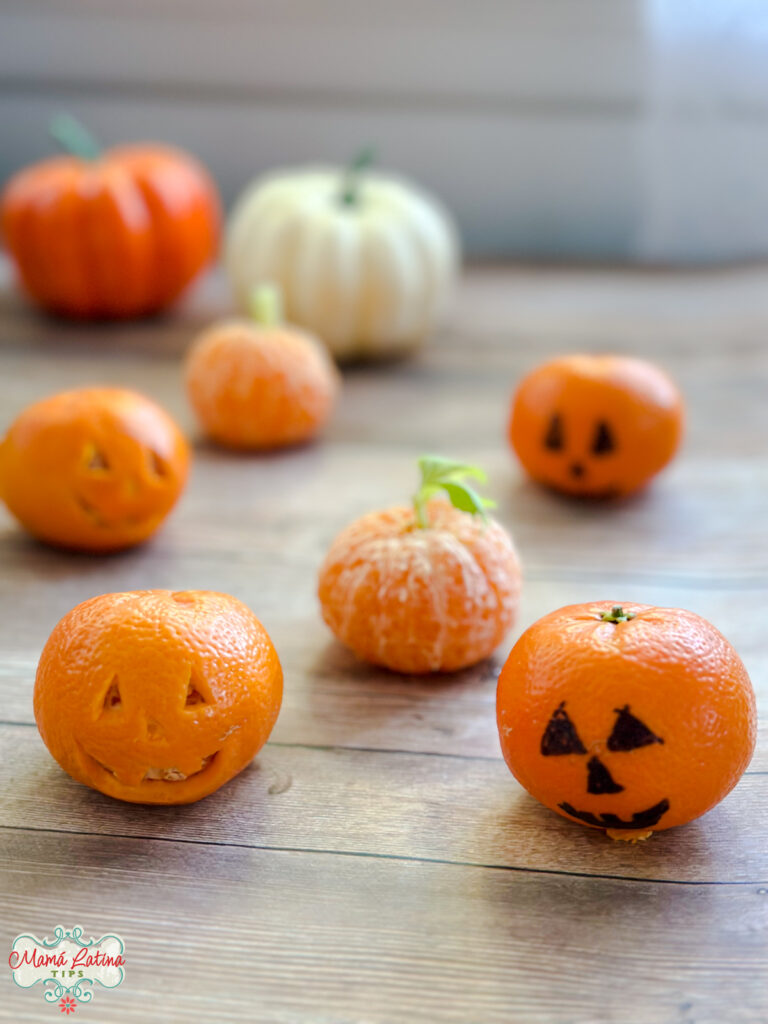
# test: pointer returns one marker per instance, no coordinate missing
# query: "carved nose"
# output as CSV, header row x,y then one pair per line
x,y
599,779
577,469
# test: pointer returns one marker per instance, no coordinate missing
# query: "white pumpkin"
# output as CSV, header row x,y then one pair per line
x,y
366,261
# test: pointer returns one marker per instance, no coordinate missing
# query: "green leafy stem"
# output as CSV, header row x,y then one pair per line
x,y
353,176
441,474
74,137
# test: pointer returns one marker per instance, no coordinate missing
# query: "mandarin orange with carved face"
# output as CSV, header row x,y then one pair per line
x,y
627,717
596,426
97,469
157,697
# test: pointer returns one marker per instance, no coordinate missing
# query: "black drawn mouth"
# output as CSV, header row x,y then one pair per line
x,y
640,819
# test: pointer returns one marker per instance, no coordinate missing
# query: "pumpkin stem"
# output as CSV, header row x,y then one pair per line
x,y
617,614
74,137
353,173
440,474
266,305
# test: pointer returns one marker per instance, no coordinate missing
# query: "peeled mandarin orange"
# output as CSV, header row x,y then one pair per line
x,y
423,588
157,697
260,383
627,717
97,469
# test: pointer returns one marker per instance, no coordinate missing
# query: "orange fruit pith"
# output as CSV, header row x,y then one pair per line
x,y
632,725
596,426
97,469
157,697
421,600
260,387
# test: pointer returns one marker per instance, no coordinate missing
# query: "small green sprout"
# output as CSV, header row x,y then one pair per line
x,y
440,474
265,304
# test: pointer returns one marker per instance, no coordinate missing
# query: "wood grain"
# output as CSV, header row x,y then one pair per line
x,y
403,805
382,941
377,862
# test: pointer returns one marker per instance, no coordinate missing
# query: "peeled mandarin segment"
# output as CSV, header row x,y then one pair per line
x,y
96,470
626,717
596,426
113,687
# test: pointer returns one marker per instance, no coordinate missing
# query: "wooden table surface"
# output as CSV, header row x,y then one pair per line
x,y
378,862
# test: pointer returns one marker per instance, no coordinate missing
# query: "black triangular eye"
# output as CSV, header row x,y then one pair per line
x,y
603,442
553,439
560,736
629,732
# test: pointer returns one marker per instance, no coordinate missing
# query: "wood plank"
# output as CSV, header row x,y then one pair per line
x,y
409,806
240,935
407,878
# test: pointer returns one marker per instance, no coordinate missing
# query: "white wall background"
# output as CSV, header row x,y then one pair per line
x,y
605,129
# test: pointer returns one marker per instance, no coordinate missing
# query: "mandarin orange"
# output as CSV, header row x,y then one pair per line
x,y
260,383
626,717
157,697
596,426
423,588
97,469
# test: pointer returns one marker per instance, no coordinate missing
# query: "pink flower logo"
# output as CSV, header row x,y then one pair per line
x,y
68,1005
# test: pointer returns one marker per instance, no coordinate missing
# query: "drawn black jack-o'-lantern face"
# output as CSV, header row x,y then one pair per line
x,y
595,426
629,733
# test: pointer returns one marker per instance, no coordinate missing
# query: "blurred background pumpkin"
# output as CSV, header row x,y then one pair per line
x,y
109,234
365,260
592,130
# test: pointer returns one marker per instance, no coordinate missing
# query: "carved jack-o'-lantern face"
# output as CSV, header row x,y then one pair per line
x,y
97,469
626,718
157,697
595,426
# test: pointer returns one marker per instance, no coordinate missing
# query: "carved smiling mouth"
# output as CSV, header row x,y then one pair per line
x,y
639,820
154,774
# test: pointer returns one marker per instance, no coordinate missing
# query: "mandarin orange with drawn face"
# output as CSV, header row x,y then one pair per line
x,y
97,469
627,718
157,697
596,426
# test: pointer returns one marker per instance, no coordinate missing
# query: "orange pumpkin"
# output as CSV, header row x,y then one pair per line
x,y
117,234
596,426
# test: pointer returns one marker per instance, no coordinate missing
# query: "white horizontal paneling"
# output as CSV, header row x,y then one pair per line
x,y
493,50
501,175
604,128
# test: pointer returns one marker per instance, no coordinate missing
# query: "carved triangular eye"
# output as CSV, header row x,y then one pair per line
x,y
95,459
553,439
193,696
112,699
560,736
197,692
604,441
629,732
157,464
